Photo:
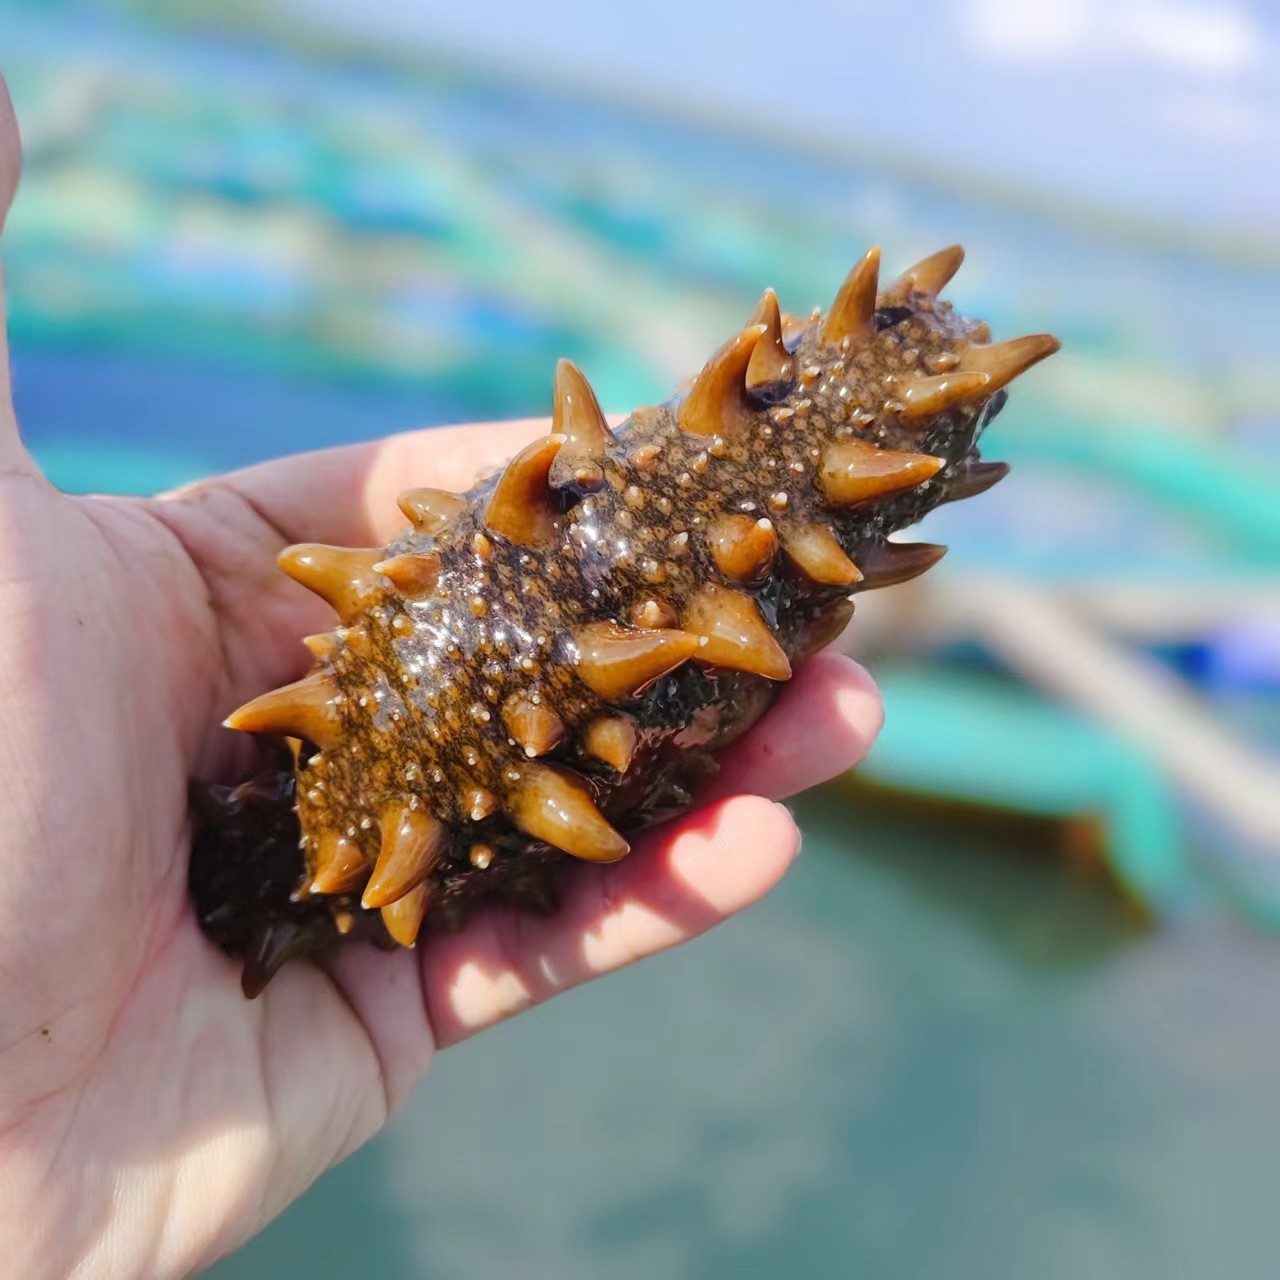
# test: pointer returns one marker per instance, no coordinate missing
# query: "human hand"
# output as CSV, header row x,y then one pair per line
x,y
152,1119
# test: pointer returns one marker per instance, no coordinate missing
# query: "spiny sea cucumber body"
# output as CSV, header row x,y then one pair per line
x,y
550,661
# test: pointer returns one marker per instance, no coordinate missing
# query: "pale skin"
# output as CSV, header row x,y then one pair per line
x,y
151,1118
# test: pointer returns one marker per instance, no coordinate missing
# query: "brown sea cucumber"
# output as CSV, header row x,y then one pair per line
x,y
545,664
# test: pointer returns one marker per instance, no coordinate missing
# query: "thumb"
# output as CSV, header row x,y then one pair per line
x,y
10,152
12,454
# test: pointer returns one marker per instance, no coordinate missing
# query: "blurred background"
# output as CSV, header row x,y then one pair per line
x,y
1017,1010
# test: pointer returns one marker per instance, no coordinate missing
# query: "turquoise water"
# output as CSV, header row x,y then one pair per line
x,y
923,1056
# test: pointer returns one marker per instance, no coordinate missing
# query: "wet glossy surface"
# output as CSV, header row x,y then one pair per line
x,y
498,628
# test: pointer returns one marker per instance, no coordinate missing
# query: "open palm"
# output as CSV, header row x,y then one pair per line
x,y
150,1117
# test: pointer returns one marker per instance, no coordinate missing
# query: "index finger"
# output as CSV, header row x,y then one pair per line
x,y
347,495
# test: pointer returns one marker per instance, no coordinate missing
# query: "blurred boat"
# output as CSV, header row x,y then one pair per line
x,y
1181,560
977,741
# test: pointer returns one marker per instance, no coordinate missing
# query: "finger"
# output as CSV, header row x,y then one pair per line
x,y
678,881
823,723
385,993
13,456
348,495
10,152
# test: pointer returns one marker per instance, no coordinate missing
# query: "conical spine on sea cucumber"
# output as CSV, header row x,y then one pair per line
x,y
548,662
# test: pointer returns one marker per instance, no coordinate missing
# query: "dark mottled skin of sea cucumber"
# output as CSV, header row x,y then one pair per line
x,y
422,690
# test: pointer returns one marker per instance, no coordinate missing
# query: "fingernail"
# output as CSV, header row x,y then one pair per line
x,y
787,809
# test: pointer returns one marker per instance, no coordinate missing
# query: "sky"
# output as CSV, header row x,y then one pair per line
x,y
1170,108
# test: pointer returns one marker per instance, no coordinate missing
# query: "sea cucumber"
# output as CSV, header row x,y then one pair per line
x,y
550,661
